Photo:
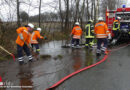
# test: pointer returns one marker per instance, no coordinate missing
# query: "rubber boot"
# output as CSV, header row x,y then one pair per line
x,y
20,59
30,58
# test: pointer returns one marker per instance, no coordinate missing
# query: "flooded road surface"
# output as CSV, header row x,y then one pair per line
x,y
45,72
113,74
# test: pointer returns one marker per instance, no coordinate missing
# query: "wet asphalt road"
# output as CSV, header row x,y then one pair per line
x,y
43,73
113,74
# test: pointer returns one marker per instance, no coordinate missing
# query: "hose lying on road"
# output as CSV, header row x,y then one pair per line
x,y
8,52
88,67
74,73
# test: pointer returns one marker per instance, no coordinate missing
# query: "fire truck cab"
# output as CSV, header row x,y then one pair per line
x,y
124,13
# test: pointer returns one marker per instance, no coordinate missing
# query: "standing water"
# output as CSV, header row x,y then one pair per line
x,y
45,72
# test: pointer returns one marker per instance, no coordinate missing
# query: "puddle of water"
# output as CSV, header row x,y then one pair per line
x,y
44,73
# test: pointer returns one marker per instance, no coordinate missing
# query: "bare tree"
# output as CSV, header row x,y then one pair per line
x,y
77,11
61,15
97,9
40,13
82,13
67,15
18,14
92,8
24,16
88,14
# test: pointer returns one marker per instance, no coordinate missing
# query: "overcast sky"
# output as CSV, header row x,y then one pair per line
x,y
128,3
9,13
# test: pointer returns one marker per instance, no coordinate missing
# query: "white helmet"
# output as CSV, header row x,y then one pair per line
x,y
31,25
100,19
118,18
77,23
91,21
39,29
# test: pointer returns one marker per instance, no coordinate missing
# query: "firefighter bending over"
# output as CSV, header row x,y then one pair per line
x,y
23,42
34,37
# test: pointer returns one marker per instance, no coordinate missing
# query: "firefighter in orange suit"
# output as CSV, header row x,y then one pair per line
x,y
102,34
76,35
36,35
23,42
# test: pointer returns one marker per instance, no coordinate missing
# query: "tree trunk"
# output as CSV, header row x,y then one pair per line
x,y
40,13
95,12
18,15
61,16
92,9
82,14
67,16
77,11
88,14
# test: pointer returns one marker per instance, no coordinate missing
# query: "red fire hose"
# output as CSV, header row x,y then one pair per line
x,y
74,73
88,67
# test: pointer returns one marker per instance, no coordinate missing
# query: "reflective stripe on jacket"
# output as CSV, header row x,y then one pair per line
x,y
116,25
101,30
89,32
35,35
76,32
26,36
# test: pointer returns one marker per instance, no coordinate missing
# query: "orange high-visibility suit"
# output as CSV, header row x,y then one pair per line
x,y
22,41
35,35
26,36
101,30
76,32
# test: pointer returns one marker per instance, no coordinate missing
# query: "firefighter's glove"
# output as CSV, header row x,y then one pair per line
x,y
21,36
109,36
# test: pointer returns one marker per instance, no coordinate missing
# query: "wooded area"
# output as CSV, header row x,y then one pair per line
x,y
59,16
65,11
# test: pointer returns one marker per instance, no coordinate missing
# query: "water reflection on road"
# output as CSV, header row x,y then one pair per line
x,y
45,72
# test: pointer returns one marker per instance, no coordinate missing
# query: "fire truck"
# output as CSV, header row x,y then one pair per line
x,y
124,13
